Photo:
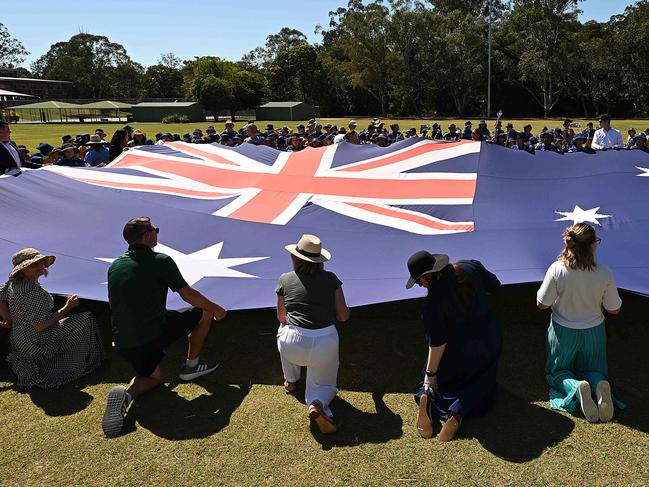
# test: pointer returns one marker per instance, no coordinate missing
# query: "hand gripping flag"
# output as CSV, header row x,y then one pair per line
x,y
225,214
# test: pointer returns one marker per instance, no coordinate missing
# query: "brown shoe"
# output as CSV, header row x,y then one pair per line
x,y
450,428
424,424
325,424
289,387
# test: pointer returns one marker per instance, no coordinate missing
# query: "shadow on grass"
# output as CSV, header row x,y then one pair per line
x,y
635,415
382,349
168,415
516,430
66,400
356,427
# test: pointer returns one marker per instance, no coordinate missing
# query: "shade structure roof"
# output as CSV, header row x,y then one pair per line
x,y
45,105
166,104
13,93
108,105
281,104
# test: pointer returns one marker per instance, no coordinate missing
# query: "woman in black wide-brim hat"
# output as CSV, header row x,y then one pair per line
x,y
464,341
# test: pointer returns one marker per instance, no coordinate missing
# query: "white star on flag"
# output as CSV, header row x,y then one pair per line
x,y
645,171
203,263
578,215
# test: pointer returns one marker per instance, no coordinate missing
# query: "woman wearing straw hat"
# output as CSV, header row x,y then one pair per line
x,y
464,341
578,288
48,349
309,301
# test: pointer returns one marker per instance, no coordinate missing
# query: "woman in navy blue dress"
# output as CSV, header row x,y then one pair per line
x,y
464,341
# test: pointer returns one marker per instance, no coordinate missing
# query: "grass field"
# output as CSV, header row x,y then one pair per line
x,y
31,134
238,427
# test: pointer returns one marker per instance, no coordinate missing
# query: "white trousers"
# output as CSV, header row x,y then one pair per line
x,y
317,350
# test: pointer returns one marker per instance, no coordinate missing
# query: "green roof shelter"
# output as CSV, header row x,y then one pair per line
x,y
109,109
154,112
46,111
285,110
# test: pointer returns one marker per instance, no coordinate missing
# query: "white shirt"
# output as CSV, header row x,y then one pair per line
x,y
607,139
14,153
339,138
577,296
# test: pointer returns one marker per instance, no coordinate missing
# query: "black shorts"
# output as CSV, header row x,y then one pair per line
x,y
145,358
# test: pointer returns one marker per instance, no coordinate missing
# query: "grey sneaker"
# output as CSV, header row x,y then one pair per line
x,y
116,407
604,401
202,368
588,406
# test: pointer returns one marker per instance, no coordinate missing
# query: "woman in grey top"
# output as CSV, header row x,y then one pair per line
x,y
309,301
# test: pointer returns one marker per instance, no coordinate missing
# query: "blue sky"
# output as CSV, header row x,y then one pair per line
x,y
188,28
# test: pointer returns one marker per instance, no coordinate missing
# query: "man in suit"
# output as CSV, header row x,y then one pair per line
x,y
10,157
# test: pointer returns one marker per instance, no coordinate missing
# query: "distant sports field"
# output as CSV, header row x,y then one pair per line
x,y
32,134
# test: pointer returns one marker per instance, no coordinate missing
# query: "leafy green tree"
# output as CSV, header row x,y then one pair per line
x,y
358,38
220,85
298,74
595,69
164,79
536,44
276,44
628,35
98,67
12,52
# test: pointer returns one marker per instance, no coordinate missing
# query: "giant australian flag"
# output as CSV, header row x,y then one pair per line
x,y
225,214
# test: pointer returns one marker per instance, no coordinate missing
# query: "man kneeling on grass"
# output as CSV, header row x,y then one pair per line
x,y
142,327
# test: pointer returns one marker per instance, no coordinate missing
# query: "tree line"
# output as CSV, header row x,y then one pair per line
x,y
397,57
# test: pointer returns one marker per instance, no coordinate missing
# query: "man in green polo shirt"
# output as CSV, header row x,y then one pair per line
x,y
138,281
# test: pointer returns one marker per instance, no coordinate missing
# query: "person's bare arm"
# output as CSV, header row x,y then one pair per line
x,y
196,299
541,305
434,357
281,310
71,303
342,311
614,311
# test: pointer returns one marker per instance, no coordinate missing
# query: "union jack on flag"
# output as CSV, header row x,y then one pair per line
x,y
275,190
225,214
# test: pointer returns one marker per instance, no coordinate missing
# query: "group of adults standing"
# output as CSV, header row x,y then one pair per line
x,y
463,338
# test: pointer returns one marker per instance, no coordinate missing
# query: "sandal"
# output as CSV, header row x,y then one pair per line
x,y
424,424
325,424
290,387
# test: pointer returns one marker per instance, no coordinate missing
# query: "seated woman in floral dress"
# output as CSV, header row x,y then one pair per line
x,y
48,349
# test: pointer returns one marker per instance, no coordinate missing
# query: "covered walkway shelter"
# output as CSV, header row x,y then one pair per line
x,y
48,111
6,95
107,109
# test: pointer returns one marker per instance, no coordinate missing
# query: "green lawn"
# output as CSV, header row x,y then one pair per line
x,y
31,134
237,427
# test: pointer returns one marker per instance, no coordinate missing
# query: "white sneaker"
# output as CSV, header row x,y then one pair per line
x,y
588,406
604,401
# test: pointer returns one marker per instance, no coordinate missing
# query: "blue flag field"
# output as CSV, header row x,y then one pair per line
x,y
225,214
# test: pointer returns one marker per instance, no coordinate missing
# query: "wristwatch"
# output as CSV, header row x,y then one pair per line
x,y
430,374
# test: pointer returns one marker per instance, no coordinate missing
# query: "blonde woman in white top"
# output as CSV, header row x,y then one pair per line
x,y
579,289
